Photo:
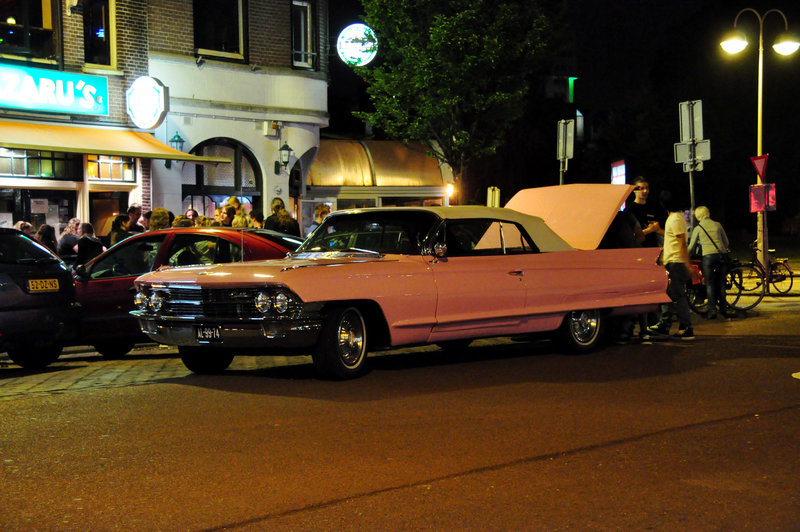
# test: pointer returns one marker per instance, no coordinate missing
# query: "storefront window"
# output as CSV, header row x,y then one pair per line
x,y
26,29
40,164
111,168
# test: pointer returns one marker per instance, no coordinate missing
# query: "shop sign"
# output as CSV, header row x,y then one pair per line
x,y
148,102
357,45
37,89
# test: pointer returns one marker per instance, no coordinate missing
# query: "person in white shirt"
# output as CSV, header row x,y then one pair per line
x,y
675,257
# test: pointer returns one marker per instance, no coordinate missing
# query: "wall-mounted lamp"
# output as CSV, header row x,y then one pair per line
x,y
199,61
284,152
175,142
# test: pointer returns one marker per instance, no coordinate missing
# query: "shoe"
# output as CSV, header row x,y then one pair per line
x,y
685,334
659,328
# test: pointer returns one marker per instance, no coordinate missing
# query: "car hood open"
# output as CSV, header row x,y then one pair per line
x,y
580,212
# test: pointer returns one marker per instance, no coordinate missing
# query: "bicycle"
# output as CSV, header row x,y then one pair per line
x,y
780,272
744,287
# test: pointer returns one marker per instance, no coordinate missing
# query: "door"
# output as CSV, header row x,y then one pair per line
x,y
480,282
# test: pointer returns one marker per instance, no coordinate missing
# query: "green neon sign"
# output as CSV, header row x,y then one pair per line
x,y
37,89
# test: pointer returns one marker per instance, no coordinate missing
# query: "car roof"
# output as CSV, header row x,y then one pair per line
x,y
544,237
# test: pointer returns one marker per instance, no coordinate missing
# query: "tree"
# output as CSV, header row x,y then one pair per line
x,y
454,74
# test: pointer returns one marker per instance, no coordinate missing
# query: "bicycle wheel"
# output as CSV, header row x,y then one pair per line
x,y
696,294
780,277
744,287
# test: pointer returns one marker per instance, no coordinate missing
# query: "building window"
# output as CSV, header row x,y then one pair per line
x,y
303,38
219,27
40,164
27,29
111,168
98,32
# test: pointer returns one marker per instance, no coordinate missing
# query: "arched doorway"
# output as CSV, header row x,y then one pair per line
x,y
206,187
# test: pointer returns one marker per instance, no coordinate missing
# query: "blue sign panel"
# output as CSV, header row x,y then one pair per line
x,y
36,89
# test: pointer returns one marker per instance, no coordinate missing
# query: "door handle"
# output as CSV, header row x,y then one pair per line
x,y
516,273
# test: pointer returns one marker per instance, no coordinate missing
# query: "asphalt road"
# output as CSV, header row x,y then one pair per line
x,y
507,435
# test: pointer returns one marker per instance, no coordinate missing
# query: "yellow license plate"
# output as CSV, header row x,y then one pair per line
x,y
42,285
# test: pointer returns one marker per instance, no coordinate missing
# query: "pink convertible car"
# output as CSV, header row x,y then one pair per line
x,y
377,278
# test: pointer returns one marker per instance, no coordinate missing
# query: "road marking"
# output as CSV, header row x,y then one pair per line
x,y
796,375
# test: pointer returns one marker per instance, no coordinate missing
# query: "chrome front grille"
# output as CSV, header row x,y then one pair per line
x,y
211,303
218,303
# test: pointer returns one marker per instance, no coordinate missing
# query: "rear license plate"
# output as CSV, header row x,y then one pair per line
x,y
42,285
208,334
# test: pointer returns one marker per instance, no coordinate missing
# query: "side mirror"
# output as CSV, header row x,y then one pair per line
x,y
439,250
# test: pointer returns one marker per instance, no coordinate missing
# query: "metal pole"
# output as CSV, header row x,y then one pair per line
x,y
761,227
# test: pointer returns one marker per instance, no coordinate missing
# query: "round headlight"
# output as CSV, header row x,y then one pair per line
x,y
156,300
140,300
263,303
281,303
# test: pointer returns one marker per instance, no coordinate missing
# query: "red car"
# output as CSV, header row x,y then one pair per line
x,y
104,286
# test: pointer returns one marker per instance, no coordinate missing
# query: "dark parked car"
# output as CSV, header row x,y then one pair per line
x,y
37,301
104,285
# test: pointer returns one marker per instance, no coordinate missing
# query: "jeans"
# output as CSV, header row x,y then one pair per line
x,y
676,290
714,273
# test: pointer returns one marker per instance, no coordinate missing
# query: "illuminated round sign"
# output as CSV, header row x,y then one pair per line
x,y
357,45
147,102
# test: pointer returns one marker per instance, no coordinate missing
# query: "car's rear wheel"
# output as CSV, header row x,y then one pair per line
x,y
341,351
34,357
205,360
582,330
115,350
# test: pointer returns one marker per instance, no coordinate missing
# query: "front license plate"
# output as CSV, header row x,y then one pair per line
x,y
207,334
42,285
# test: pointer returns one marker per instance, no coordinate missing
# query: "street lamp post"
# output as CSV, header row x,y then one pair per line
x,y
784,45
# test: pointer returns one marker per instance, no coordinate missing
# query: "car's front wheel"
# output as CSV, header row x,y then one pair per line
x,y
35,357
341,351
204,360
582,330
114,350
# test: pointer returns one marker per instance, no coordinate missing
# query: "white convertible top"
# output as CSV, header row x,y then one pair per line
x,y
545,238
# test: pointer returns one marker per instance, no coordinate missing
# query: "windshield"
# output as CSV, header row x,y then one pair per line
x,y
18,249
377,231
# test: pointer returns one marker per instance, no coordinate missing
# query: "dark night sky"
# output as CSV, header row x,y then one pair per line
x,y
636,60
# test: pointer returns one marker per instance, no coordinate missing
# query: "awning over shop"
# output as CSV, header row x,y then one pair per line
x,y
344,163
69,139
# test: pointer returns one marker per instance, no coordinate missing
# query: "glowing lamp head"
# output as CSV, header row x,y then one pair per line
x,y
786,44
734,42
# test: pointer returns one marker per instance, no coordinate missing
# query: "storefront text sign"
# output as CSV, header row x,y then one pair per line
x,y
37,89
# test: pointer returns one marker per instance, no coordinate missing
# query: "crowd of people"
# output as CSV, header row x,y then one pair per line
x,y
77,243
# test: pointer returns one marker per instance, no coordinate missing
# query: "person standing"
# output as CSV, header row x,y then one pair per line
x,y
192,215
134,213
320,212
46,236
675,257
119,230
88,246
25,227
714,242
649,215
68,239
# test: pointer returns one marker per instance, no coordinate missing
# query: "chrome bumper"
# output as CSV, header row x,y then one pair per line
x,y
245,334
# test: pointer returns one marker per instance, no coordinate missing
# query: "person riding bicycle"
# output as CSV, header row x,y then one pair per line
x,y
714,244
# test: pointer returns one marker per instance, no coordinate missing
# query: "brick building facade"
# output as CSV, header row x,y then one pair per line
x,y
243,78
